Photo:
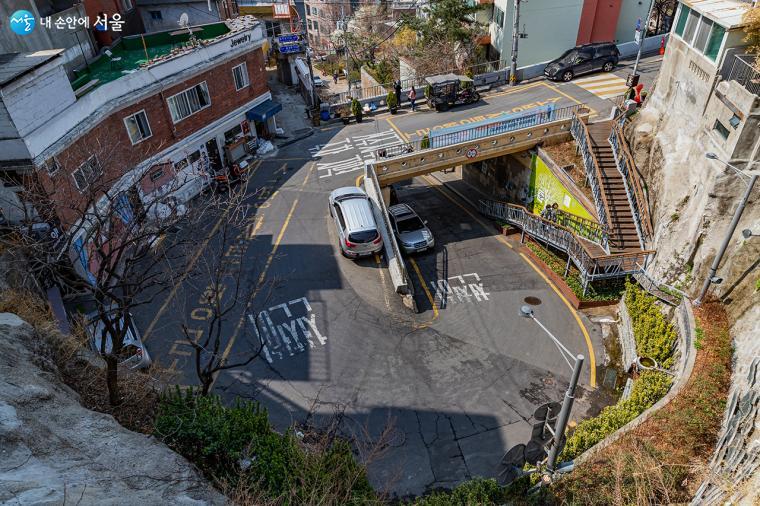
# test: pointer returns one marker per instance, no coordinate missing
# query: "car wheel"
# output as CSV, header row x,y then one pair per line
x,y
567,75
608,66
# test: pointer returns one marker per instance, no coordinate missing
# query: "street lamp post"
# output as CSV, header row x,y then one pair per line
x,y
567,402
711,277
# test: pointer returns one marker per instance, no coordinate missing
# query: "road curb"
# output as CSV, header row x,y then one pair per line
x,y
296,139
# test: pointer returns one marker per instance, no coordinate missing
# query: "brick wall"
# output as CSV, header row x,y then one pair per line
x,y
110,143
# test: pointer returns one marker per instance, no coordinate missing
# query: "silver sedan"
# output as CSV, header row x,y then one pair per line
x,y
412,233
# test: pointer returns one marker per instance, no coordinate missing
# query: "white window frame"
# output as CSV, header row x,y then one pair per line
x,y
147,123
244,73
52,166
92,162
184,94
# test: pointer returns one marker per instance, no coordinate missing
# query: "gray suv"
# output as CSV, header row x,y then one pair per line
x,y
411,232
351,210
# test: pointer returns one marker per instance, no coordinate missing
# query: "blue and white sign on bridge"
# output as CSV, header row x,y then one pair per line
x,y
284,39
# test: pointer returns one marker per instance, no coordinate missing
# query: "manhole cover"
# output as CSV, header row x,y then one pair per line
x,y
533,301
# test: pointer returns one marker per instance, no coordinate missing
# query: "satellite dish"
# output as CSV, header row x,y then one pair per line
x,y
184,19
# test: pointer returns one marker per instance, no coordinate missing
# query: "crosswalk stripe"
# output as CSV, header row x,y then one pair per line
x,y
603,86
598,77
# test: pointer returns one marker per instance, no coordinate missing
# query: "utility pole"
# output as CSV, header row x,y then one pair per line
x,y
312,88
564,415
344,28
515,37
643,36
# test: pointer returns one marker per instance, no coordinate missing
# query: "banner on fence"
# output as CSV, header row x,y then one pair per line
x,y
484,128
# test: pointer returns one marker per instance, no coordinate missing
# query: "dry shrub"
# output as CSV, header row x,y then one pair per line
x,y
664,460
82,369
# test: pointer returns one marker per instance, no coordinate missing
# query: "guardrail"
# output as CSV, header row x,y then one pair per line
x,y
495,127
592,267
593,173
632,182
666,293
744,73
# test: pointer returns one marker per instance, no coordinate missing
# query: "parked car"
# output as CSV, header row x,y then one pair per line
x,y
358,234
582,60
319,82
134,353
411,232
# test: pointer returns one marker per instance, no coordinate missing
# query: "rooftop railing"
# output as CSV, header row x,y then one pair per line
x,y
743,72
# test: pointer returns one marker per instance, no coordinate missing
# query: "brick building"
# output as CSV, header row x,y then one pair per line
x,y
190,108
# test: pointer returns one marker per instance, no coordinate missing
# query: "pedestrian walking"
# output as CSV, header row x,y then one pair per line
x,y
335,77
413,97
397,88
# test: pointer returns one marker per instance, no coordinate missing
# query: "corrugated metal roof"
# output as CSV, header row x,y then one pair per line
x,y
13,65
726,12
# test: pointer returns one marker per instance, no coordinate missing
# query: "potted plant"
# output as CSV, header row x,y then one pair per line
x,y
392,102
345,115
356,110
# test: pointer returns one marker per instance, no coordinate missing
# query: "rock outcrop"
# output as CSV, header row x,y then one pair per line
x,y
54,451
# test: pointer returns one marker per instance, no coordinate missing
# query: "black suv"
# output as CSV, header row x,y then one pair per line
x,y
583,59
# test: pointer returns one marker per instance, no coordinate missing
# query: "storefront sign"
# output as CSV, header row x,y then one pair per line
x,y
240,40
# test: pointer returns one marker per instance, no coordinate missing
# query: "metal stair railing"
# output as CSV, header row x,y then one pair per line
x,y
633,188
590,266
666,293
593,172
588,229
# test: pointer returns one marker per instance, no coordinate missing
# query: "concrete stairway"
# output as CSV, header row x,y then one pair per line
x,y
622,233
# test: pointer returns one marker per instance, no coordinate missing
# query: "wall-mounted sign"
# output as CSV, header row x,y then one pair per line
x,y
284,39
471,153
237,41
290,48
281,11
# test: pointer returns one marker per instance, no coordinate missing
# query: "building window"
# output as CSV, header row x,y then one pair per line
x,y
87,173
155,175
52,166
682,20
188,102
721,129
240,73
316,26
702,34
138,127
715,41
314,11
691,27
127,5
156,15
498,16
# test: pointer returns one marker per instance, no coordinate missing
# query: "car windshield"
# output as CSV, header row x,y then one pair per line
x,y
409,224
363,237
569,56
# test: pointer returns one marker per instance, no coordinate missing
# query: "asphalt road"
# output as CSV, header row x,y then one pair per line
x,y
451,388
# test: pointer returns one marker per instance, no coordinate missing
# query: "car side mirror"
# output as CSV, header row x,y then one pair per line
x,y
425,222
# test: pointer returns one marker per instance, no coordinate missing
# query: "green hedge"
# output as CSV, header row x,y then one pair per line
x,y
478,491
573,279
655,336
650,387
217,438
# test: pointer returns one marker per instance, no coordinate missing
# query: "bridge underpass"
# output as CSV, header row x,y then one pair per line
x,y
587,247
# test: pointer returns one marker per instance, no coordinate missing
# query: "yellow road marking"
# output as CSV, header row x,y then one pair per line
x,y
401,134
359,180
382,280
586,336
426,290
503,240
262,276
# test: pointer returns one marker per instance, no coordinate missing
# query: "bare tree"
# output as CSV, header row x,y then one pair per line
x,y
226,298
106,213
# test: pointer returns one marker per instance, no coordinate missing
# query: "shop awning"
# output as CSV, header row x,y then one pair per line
x,y
264,111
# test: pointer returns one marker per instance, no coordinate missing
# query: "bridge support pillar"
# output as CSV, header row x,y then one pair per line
x,y
567,265
386,193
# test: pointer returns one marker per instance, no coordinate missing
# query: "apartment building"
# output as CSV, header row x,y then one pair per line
x,y
163,109
549,27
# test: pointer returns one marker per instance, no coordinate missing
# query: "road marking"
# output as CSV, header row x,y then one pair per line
x,y
279,333
259,284
359,180
503,240
403,136
603,86
382,280
586,336
445,290
427,292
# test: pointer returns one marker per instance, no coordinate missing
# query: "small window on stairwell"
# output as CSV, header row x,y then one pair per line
x,y
721,129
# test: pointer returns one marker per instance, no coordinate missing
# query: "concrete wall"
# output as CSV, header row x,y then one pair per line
x,y
732,99
197,12
630,11
598,21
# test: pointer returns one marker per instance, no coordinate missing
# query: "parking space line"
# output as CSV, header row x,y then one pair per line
x,y
426,290
503,240
262,276
382,281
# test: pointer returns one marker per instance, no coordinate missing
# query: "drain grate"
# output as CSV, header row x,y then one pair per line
x,y
533,301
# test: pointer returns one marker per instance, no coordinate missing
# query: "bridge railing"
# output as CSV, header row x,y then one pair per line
x,y
583,227
495,127
591,266
632,182
582,138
